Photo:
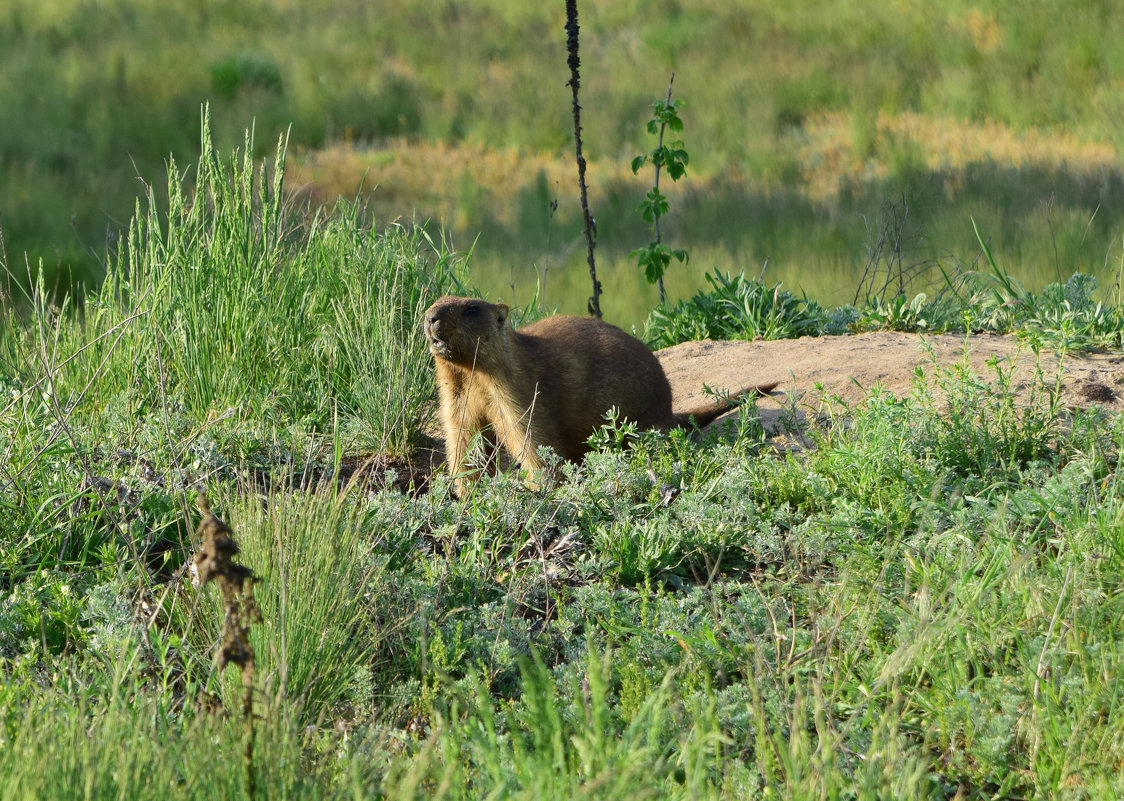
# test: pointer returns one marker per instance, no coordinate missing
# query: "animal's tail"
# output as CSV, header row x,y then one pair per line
x,y
711,411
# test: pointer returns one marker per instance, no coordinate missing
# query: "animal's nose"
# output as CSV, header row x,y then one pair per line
x,y
432,317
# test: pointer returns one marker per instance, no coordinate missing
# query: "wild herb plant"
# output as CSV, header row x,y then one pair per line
x,y
655,257
740,308
918,314
1062,316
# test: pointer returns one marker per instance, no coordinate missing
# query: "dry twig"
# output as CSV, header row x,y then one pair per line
x,y
214,561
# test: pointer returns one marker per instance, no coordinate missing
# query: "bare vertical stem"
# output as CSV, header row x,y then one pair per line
x,y
214,560
6,288
575,84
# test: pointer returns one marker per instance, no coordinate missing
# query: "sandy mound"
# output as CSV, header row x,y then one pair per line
x,y
849,366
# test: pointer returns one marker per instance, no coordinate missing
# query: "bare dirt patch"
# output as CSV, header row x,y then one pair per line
x,y
811,368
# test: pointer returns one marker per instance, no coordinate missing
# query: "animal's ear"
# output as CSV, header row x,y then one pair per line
x,y
501,314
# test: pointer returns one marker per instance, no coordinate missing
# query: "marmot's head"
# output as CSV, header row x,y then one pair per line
x,y
458,329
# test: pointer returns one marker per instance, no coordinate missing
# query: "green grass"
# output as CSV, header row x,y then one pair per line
x,y
923,604
104,94
1064,316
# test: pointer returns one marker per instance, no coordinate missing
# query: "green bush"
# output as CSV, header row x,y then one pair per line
x,y
245,71
736,308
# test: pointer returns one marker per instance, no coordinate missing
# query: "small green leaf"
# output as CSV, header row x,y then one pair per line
x,y
637,163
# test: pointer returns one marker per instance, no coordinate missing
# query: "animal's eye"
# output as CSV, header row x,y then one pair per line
x,y
472,311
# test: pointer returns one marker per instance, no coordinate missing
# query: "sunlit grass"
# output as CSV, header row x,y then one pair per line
x,y
1038,195
105,93
840,150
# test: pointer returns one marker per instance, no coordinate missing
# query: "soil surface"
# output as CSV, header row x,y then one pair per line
x,y
812,368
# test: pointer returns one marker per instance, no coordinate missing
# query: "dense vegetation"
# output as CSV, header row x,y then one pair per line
x,y
918,604
807,129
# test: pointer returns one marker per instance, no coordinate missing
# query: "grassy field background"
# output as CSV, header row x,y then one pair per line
x,y
809,130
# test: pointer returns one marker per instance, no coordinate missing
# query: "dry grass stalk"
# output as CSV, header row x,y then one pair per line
x,y
215,561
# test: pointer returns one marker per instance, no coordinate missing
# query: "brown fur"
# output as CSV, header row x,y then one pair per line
x,y
549,383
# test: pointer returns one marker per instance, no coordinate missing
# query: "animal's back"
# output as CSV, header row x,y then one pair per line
x,y
586,367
